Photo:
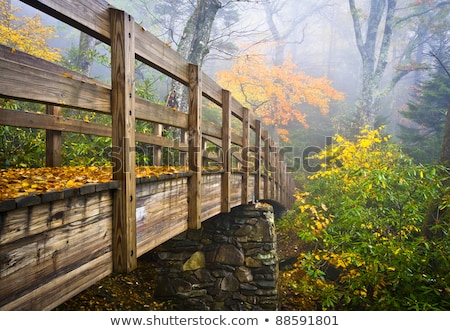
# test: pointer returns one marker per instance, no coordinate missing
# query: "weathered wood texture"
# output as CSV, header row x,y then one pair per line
x,y
195,147
55,245
43,247
161,211
123,141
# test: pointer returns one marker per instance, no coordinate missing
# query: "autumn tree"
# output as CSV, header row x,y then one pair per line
x,y
374,29
23,146
276,94
27,34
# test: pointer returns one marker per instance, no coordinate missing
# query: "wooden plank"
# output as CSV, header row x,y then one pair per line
x,y
245,155
226,152
195,145
283,199
266,164
236,109
7,53
211,197
22,82
53,141
43,242
123,141
91,17
160,56
277,173
257,159
162,212
211,90
157,150
44,121
211,130
273,164
61,288
152,112
236,190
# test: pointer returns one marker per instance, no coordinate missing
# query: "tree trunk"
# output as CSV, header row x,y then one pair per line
x,y
374,59
84,60
194,42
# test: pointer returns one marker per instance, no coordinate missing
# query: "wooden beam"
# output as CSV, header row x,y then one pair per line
x,y
157,150
152,112
245,155
194,148
257,159
88,16
53,141
266,165
123,141
272,158
23,82
226,152
50,122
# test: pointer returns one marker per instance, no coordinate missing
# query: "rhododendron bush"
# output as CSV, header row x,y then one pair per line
x,y
363,216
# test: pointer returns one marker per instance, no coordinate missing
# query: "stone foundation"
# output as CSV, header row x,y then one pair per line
x,y
229,264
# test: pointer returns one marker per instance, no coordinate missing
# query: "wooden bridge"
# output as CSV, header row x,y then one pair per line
x,y
56,244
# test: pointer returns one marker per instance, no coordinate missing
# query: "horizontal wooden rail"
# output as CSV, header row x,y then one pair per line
x,y
250,149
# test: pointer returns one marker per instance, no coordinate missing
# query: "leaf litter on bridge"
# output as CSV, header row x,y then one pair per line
x,y
19,182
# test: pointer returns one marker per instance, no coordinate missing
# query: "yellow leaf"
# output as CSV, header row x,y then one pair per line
x,y
65,74
70,183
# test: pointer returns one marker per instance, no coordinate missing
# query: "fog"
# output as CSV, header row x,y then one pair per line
x,y
319,36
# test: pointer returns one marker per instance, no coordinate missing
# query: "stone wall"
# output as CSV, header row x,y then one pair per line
x,y
229,264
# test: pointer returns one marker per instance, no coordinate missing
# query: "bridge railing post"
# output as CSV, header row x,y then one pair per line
x,y
53,141
245,155
123,141
195,147
226,152
272,169
266,139
257,159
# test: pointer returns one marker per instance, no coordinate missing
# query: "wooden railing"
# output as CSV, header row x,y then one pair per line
x,y
24,77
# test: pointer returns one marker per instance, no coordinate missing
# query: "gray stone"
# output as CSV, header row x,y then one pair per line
x,y
266,284
243,230
261,233
243,274
204,276
252,263
229,283
230,254
248,287
192,294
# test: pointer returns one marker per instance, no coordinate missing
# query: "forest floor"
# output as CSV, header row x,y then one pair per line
x,y
135,291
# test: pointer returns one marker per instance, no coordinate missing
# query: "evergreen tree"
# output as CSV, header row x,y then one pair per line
x,y
427,112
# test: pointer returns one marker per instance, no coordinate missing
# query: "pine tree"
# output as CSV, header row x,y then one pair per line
x,y
427,112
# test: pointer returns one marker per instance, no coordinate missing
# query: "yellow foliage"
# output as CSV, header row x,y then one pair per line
x,y
26,34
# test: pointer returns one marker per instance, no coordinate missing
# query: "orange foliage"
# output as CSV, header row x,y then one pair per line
x,y
20,182
276,93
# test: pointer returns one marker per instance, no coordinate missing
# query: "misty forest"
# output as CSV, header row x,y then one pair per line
x,y
358,94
